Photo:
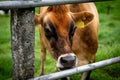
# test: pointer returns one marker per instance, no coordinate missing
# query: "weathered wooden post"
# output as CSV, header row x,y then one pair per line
x,y
22,40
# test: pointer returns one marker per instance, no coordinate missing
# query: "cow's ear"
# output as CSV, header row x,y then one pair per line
x,y
37,19
84,16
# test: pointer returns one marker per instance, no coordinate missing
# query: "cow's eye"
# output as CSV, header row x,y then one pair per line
x,y
50,32
47,32
72,29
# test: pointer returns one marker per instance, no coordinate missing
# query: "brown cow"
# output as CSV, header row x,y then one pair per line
x,y
68,45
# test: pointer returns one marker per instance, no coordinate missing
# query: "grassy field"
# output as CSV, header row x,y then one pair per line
x,y
109,46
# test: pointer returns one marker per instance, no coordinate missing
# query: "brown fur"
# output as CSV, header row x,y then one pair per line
x,y
84,42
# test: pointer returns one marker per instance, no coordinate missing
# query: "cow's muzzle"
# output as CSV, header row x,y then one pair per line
x,y
66,61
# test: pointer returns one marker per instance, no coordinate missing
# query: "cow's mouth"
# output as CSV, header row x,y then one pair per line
x,y
61,69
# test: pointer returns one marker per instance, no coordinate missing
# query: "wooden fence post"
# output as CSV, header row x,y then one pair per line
x,y
22,41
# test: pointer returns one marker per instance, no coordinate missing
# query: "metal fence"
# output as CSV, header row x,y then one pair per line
x,y
36,3
22,39
80,69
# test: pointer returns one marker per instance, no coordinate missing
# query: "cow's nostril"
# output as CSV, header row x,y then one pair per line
x,y
63,60
68,61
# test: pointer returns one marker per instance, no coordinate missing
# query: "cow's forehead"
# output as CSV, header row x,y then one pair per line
x,y
58,19
61,22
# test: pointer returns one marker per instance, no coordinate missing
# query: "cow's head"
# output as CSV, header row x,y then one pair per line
x,y
59,26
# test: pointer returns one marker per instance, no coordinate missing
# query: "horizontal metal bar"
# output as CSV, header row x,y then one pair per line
x,y
78,69
36,3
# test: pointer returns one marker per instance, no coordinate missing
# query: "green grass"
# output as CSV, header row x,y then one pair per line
x,y
109,46
5,53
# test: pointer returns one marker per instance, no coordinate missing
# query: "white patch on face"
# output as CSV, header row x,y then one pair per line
x,y
59,65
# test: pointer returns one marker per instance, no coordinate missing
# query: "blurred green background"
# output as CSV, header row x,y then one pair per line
x,y
109,45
